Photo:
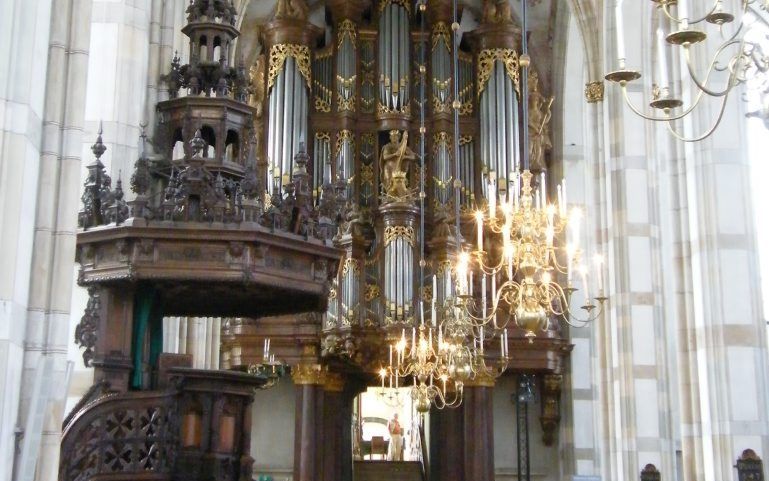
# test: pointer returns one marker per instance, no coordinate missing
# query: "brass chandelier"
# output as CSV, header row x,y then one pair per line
x,y
525,246
737,59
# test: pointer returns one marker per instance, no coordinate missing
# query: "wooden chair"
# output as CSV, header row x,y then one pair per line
x,y
378,446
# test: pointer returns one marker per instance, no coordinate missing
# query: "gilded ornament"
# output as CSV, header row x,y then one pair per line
x,y
372,292
344,137
278,55
351,264
394,232
486,60
594,92
346,29
441,32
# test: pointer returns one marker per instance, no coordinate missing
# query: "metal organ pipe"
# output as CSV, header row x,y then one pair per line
x,y
289,109
509,143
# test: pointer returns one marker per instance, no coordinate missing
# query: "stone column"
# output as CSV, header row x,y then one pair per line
x,y
479,429
26,32
308,437
722,345
56,184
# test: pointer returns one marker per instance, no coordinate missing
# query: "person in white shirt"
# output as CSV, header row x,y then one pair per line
x,y
396,439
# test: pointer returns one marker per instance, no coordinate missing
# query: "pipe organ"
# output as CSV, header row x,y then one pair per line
x,y
375,99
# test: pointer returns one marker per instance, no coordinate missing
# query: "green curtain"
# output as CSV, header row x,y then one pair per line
x,y
148,317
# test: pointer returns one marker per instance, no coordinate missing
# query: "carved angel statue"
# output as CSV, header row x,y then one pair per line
x,y
396,161
497,11
539,123
296,9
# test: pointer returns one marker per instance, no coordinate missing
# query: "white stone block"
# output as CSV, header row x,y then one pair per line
x,y
741,387
737,292
636,196
643,338
639,263
647,408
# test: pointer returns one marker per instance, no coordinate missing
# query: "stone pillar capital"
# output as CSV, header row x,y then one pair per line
x,y
482,379
312,374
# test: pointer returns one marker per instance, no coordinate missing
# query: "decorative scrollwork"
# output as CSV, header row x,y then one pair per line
x,y
394,232
372,292
351,264
278,55
341,137
87,330
441,32
347,29
486,60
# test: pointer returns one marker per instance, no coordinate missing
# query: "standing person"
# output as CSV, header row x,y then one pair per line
x,y
396,439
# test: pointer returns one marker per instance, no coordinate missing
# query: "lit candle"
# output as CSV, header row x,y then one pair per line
x,y
683,13
502,345
561,209
619,24
661,57
543,189
483,294
479,221
517,189
470,283
565,200
583,271
265,350
435,320
506,344
383,374
492,196
599,267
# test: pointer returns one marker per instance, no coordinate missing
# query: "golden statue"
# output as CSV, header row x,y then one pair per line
x,y
256,78
296,9
497,11
539,124
396,161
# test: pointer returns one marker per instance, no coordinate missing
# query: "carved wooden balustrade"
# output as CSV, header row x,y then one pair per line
x,y
197,428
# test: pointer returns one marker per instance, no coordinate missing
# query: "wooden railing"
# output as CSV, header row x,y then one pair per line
x,y
120,434
199,428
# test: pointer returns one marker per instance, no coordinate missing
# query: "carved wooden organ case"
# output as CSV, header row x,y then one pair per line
x,y
352,98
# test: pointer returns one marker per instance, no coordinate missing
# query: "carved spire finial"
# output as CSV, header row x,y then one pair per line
x,y
99,148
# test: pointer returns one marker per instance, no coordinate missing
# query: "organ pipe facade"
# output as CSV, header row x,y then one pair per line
x,y
373,104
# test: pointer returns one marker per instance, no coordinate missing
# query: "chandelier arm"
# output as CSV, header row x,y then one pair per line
x,y
702,86
708,133
641,114
575,321
676,19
